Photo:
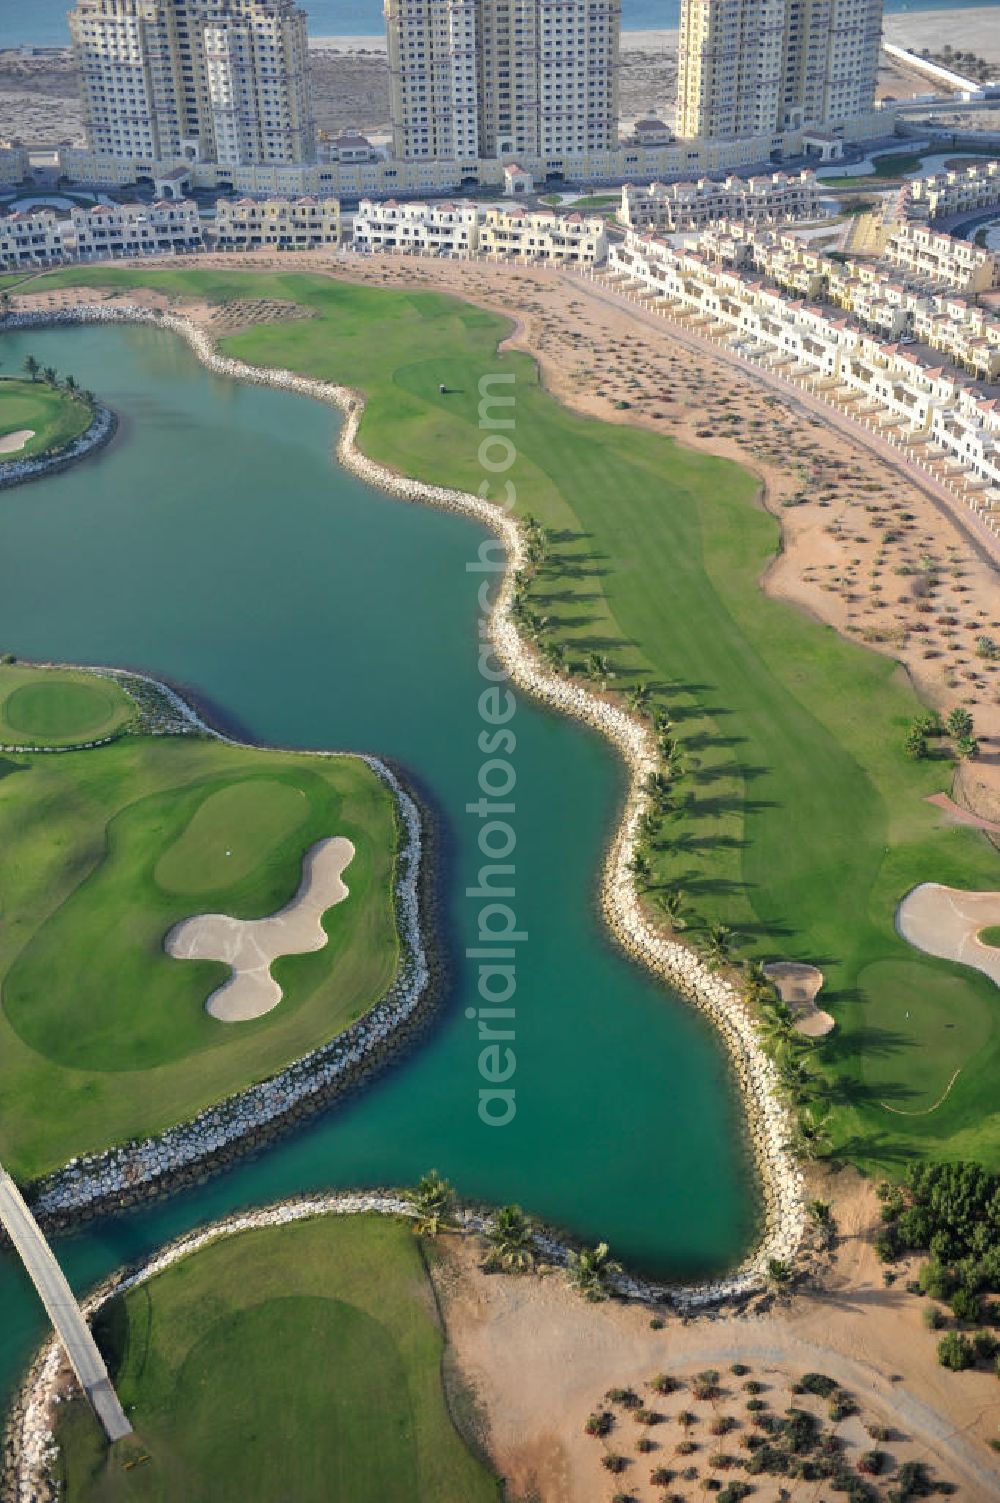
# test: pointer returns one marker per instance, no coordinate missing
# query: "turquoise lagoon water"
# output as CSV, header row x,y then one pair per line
x,y
216,543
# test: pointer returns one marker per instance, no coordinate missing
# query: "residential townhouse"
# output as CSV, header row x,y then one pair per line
x,y
573,239
462,229
934,257
900,387
31,237
958,190
276,223
427,229
117,230
776,199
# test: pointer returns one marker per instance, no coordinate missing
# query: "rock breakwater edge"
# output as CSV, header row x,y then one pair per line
x,y
783,1221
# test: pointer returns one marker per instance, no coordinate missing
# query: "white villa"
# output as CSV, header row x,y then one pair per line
x,y
778,199
276,223
462,229
907,392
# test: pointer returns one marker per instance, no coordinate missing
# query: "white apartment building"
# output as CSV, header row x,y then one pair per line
x,y
962,190
221,81
278,223
898,387
757,68
499,78
517,233
933,257
117,230
776,199
445,229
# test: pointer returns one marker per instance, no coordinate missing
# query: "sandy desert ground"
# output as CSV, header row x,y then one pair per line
x,y
539,1360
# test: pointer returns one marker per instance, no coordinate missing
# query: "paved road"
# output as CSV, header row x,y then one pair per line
x,y
63,1310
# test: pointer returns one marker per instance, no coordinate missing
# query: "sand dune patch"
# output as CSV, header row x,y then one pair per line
x,y
250,946
945,921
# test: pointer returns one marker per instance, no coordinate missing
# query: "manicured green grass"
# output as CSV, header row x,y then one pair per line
x,y
299,1362
103,851
990,936
802,823
59,707
53,416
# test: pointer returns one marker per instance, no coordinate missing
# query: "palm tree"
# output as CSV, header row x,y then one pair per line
x,y
434,1199
776,1023
70,384
810,1138
672,903
590,1271
640,868
779,1273
50,375
719,944
31,367
511,1241
554,654
637,698
799,1082
599,668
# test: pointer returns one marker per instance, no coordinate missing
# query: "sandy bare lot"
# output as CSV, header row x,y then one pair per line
x,y
250,946
540,1360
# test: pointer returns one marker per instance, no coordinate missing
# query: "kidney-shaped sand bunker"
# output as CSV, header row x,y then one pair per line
x,y
250,946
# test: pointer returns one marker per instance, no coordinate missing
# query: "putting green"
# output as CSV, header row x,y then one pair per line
x,y
299,1362
990,936
57,707
96,1020
232,832
918,1037
53,416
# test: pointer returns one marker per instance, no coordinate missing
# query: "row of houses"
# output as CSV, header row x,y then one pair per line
x,y
906,391
875,294
957,190
464,229
779,198
41,237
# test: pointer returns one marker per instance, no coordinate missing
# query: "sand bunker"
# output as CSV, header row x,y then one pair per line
x,y
946,921
251,945
12,443
797,987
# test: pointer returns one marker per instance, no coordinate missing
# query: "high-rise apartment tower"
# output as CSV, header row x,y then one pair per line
x,y
503,78
760,67
210,80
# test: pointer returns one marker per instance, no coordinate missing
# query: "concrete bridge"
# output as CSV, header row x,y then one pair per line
x,y
63,1310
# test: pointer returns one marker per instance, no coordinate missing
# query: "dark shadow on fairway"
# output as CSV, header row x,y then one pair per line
x,y
7,767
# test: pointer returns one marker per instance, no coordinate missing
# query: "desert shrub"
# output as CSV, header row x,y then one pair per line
x,y
627,1397
599,1423
818,1383
800,1430
664,1383
613,1463
955,1352
646,1416
933,1318
872,1463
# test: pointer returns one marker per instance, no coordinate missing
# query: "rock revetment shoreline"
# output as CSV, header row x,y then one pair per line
x,y
101,431
783,1223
